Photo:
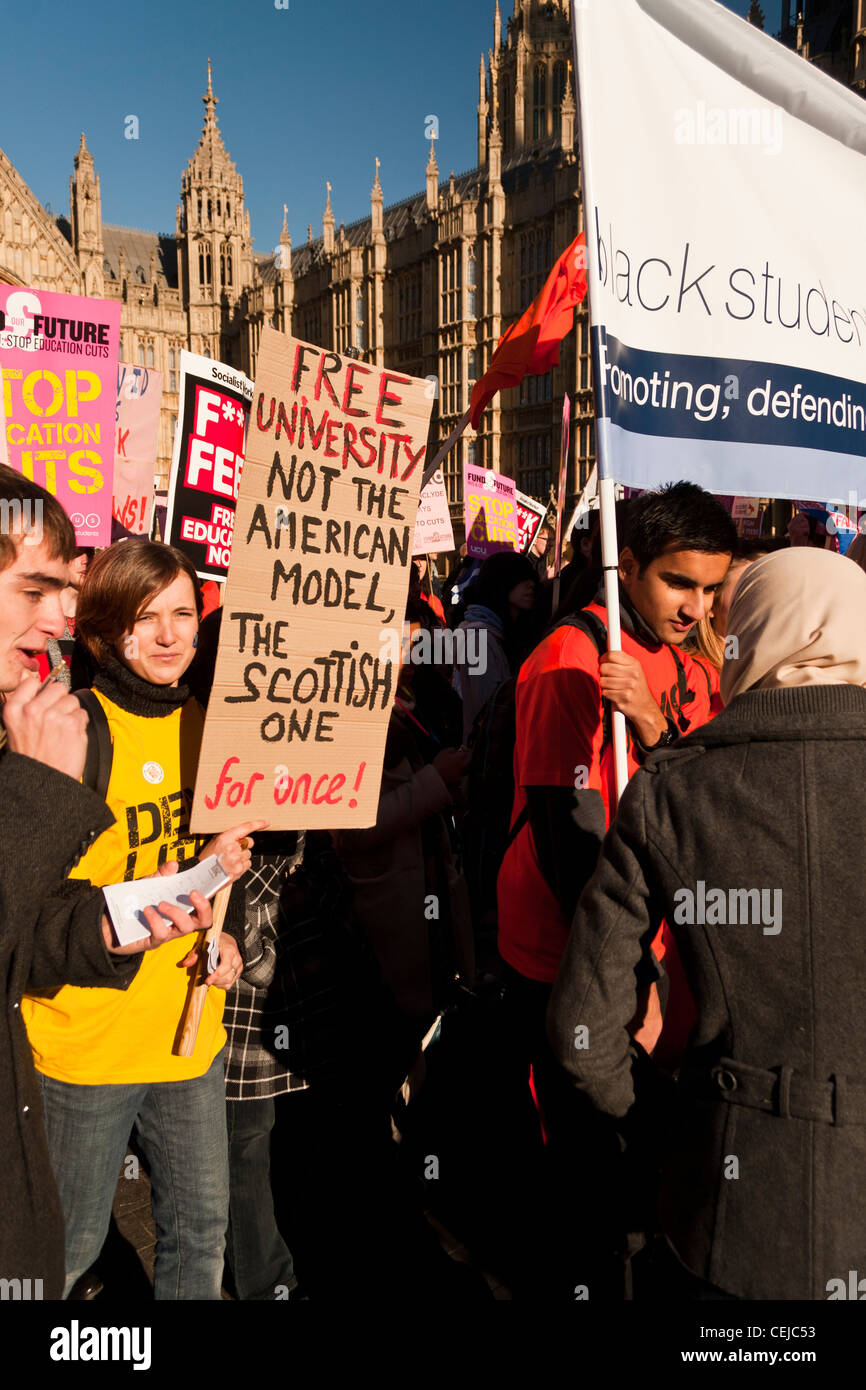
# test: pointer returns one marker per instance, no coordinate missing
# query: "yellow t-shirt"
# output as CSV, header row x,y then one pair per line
x,y
93,1037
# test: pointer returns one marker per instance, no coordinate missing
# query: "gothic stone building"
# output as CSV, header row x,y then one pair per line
x,y
426,286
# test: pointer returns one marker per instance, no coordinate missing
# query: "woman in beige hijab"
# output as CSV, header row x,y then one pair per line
x,y
798,617
747,837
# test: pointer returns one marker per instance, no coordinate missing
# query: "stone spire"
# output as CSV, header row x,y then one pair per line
x,y
210,135
285,254
482,113
497,30
376,206
432,179
568,114
285,288
520,89
495,143
215,265
85,212
328,224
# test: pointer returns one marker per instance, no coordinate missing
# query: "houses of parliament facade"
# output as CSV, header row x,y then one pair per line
x,y
426,286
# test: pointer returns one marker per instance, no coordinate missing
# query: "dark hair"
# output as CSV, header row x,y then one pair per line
x,y
499,574
17,522
417,611
119,582
756,549
679,516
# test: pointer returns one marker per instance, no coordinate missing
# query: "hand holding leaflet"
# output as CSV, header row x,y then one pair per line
x,y
126,901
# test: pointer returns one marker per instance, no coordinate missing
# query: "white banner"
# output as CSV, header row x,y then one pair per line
x,y
725,188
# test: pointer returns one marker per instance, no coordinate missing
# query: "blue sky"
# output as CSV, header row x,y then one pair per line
x,y
307,93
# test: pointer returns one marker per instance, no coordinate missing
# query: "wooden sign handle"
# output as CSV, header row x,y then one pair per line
x,y
187,1030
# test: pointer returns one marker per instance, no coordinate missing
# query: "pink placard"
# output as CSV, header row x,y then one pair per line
x,y
58,357
139,392
490,511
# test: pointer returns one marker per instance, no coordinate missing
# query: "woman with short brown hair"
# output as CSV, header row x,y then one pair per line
x,y
105,1057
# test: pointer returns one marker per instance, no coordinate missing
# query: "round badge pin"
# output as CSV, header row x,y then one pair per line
x,y
152,772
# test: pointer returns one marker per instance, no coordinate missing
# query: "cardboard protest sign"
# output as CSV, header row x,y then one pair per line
x,y
433,530
207,462
490,511
530,514
58,357
310,647
729,331
136,413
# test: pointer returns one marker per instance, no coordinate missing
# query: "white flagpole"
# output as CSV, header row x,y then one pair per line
x,y
560,502
606,485
446,449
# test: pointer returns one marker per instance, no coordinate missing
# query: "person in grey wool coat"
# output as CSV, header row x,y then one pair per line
x,y
743,838
52,931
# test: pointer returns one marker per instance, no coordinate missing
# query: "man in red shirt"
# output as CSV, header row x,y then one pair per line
x,y
675,550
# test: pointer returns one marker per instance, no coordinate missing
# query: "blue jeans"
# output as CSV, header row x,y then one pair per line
x,y
259,1259
181,1127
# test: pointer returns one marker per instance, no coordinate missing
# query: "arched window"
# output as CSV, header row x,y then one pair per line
x,y
150,362
219,207
140,275
201,266
199,209
140,355
208,268
228,208
222,269
539,102
558,94
229,266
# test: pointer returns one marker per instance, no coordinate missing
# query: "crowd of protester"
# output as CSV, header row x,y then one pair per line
x,y
612,1044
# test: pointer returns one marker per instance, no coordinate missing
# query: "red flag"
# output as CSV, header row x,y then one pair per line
x,y
532,343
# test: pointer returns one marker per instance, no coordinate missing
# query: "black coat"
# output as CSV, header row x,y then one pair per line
x,y
50,935
763,1190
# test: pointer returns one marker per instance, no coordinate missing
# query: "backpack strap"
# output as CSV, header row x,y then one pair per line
x,y
596,631
697,661
97,766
